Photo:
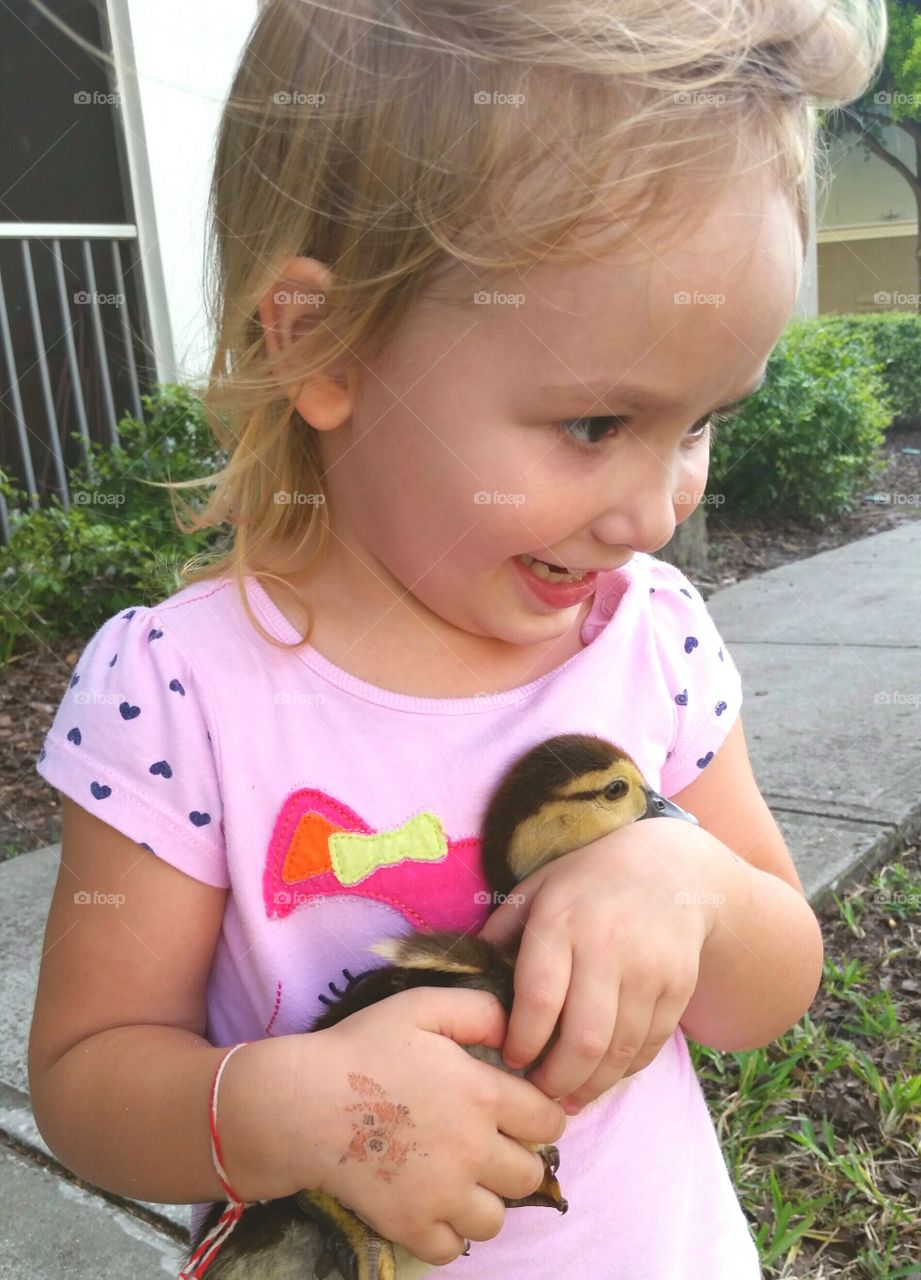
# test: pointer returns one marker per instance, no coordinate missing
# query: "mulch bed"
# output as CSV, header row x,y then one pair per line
x,y
33,683
746,547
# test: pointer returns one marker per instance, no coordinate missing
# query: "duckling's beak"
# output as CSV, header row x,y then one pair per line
x,y
658,807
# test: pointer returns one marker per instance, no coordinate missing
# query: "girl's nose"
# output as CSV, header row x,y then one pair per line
x,y
641,511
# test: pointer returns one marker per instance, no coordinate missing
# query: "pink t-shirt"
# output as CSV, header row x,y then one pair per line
x,y
245,766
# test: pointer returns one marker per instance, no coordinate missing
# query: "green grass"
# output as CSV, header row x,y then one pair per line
x,y
821,1129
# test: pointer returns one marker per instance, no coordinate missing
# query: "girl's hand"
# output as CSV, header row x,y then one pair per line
x,y
415,1135
612,935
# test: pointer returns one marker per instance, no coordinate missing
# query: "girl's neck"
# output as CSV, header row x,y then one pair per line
x,y
404,652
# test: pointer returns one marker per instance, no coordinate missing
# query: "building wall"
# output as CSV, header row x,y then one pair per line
x,y
869,275
185,55
867,230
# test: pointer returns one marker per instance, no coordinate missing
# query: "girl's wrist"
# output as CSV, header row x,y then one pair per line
x,y
263,1103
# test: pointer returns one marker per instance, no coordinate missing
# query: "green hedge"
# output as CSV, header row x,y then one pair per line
x,y
895,337
809,441
64,572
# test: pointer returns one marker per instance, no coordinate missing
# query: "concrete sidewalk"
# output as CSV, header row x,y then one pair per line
x,y
829,650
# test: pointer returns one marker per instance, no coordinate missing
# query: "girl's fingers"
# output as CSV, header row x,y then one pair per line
x,y
587,1028
668,1012
515,1171
645,1045
481,1217
524,1113
542,973
442,1244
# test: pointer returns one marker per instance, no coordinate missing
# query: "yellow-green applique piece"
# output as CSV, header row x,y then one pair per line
x,y
354,855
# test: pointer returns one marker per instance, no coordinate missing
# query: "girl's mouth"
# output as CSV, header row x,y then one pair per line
x,y
560,590
548,572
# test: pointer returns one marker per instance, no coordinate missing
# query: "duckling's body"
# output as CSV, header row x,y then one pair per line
x,y
560,796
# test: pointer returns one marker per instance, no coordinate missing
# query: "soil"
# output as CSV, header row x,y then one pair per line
x,y
33,683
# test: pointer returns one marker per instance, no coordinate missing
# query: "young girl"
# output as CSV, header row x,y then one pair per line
x,y
484,276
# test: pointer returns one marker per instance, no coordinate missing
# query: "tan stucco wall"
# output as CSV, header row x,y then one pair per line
x,y
850,274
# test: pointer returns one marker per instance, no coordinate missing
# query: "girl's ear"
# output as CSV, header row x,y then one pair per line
x,y
293,303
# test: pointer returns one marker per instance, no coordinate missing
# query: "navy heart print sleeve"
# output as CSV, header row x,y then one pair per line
x,y
700,676
131,743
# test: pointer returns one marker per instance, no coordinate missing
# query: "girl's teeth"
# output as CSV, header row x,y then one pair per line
x,y
541,570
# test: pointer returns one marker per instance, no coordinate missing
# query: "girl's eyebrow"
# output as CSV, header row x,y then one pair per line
x,y
635,396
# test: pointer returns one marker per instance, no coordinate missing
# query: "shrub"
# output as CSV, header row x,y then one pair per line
x,y
810,439
895,337
64,572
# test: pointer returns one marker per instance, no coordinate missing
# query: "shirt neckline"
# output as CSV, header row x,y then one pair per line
x,y
611,592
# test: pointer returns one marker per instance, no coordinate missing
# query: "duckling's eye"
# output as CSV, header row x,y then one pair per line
x,y
614,790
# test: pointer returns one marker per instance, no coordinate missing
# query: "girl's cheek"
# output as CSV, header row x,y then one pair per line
x,y
691,488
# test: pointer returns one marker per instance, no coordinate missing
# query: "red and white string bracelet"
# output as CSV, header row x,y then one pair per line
x,y
207,1251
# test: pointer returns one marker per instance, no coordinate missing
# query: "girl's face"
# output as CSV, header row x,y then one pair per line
x,y
454,463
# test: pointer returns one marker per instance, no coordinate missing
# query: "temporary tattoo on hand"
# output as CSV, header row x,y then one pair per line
x,y
375,1129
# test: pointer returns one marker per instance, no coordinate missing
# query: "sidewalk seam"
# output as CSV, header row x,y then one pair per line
x,y
52,1166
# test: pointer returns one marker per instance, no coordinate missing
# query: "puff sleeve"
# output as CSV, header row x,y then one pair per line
x,y
701,678
130,742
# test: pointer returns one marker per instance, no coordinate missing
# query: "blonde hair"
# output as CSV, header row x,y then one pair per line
x,y
397,142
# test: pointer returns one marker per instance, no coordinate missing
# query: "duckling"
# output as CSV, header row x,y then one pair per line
x,y
559,796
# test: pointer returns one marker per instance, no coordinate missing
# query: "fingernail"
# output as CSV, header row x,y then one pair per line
x,y
572,1108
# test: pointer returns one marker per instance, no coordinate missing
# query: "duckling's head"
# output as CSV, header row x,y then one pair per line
x,y
564,793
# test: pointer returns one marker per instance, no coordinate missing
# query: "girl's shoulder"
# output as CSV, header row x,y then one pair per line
x,y
675,605
693,662
131,740
649,590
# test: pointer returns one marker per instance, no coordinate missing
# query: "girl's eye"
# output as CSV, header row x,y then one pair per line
x,y
572,425
706,428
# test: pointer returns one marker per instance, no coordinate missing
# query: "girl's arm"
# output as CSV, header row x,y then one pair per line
x,y
761,965
127,1110
119,1071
